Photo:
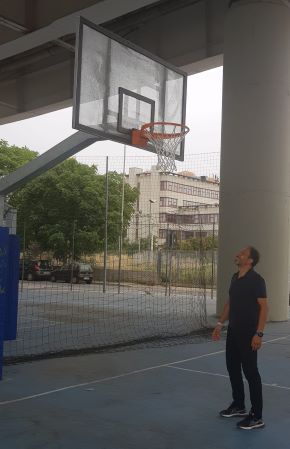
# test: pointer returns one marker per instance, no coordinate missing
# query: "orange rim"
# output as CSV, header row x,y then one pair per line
x,y
185,130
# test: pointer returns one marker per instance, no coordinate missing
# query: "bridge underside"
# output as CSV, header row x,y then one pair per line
x,y
37,42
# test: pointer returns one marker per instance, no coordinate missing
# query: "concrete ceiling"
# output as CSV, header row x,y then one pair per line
x,y
37,41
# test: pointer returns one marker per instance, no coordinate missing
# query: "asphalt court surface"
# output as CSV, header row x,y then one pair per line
x,y
159,398
54,318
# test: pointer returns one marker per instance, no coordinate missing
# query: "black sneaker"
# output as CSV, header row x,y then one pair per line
x,y
232,411
250,422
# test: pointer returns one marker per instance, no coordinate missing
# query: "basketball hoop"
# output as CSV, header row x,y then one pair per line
x,y
165,137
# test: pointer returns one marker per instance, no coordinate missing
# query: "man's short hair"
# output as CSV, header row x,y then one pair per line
x,y
254,255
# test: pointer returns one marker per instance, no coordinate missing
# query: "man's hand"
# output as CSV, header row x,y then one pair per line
x,y
216,335
256,342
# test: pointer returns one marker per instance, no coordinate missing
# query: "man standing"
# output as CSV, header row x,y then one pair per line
x,y
246,311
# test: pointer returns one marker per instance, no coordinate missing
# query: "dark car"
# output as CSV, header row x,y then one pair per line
x,y
78,273
35,270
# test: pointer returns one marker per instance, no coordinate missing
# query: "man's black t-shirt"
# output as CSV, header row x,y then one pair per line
x,y
244,307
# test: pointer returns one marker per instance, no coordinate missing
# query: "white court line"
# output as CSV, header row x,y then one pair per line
x,y
119,376
276,339
224,375
198,371
105,379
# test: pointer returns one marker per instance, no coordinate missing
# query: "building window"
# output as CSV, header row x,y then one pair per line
x,y
213,218
162,218
190,203
188,190
166,202
162,233
163,185
172,218
189,218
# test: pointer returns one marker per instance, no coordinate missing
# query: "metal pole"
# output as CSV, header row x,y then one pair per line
x,y
166,266
73,253
122,221
170,272
149,226
106,225
23,254
212,261
150,245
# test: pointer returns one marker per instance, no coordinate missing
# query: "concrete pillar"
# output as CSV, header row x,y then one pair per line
x,y
255,148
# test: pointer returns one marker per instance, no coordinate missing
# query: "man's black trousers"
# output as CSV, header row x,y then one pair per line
x,y
239,355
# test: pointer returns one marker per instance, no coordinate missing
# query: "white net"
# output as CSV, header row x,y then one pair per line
x,y
166,138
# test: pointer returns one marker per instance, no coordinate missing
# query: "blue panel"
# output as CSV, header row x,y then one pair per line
x,y
4,247
11,306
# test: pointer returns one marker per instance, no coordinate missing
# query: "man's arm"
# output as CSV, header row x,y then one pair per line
x,y
263,303
263,313
216,335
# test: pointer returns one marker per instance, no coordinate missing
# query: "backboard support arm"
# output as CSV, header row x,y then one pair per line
x,y
52,157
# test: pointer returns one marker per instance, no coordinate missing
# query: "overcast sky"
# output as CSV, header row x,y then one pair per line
x,y
204,102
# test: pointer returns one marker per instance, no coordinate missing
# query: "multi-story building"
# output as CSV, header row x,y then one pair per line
x,y
173,202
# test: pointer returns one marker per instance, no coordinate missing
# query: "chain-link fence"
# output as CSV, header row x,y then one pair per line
x,y
133,260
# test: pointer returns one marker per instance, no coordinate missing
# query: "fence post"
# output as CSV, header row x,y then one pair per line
x,y
10,322
158,268
212,260
73,254
23,254
170,272
106,226
122,222
166,266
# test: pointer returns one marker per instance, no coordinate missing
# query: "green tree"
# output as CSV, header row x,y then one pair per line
x,y
68,203
12,157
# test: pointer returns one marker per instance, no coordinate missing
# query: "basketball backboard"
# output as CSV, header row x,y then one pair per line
x,y
119,87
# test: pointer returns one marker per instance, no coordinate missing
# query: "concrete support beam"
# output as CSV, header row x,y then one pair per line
x,y
98,13
255,157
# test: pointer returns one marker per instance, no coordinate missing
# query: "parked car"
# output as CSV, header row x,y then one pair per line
x,y
79,272
35,270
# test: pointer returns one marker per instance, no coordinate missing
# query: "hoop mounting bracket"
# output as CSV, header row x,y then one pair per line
x,y
138,139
